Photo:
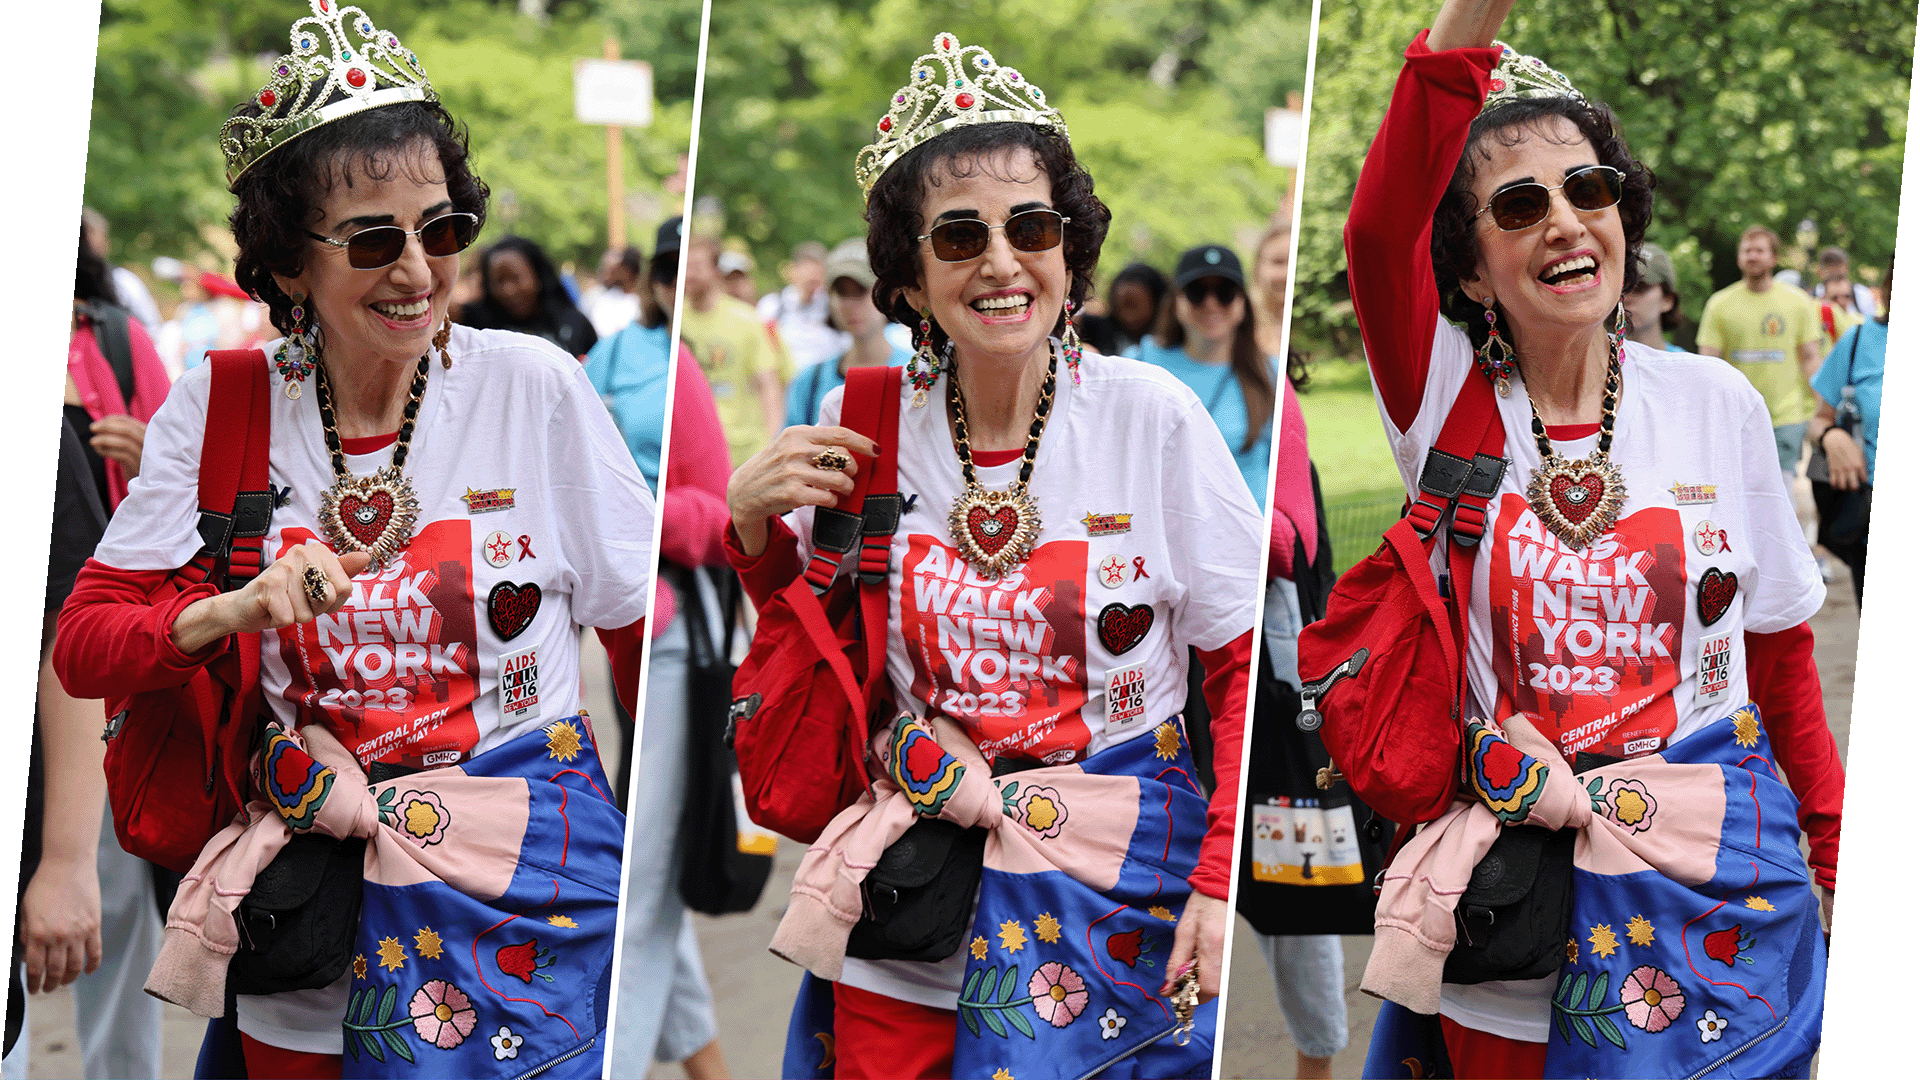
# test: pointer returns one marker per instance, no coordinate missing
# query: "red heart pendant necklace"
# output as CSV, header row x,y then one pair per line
x,y
1579,500
374,514
995,530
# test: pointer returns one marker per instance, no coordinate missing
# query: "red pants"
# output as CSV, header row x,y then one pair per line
x,y
1482,1055
274,1063
875,1036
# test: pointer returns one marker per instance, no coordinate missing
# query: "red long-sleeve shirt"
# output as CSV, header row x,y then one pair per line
x,y
1390,270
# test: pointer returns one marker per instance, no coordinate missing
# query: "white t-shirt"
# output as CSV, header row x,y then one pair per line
x,y
525,489
1613,648
1131,473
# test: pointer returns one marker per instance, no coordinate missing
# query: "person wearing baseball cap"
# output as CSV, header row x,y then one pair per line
x,y
1205,337
850,310
1653,309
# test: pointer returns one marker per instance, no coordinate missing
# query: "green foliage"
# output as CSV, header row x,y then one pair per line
x,y
1747,113
791,99
168,71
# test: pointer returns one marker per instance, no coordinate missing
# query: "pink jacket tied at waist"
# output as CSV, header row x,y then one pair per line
x,y
1090,845
314,784
1414,919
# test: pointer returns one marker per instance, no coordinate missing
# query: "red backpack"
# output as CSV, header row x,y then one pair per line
x,y
814,681
1391,689
177,759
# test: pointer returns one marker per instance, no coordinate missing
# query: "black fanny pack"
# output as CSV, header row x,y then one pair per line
x,y
1512,921
918,900
297,925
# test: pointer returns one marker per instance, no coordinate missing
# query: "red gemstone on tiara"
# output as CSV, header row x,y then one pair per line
x,y
356,78
267,99
1497,85
964,101
886,123
323,7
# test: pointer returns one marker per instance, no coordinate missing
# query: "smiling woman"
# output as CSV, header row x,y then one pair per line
x,y
1641,573
1019,705
417,685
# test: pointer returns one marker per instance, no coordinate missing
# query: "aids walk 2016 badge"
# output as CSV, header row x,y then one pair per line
x,y
1126,696
520,684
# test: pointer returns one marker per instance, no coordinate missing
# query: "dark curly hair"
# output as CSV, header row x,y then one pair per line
x,y
279,197
894,205
1455,247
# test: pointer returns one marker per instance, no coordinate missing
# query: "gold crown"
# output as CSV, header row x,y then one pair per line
x,y
341,64
1518,76
941,95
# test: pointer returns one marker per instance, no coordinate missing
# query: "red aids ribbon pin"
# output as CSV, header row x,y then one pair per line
x,y
1140,567
526,548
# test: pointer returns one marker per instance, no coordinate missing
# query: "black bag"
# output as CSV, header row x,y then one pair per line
x,y
717,877
297,925
1512,921
918,900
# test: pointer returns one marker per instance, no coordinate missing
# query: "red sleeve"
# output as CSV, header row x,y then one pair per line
x,y
623,649
1782,680
112,641
1226,692
150,381
1390,225
693,497
774,569
1292,491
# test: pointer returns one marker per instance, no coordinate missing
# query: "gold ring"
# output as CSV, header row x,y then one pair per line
x,y
832,459
316,582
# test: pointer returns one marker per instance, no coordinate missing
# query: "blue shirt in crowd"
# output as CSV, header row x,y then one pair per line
x,y
1219,391
1858,359
809,388
630,370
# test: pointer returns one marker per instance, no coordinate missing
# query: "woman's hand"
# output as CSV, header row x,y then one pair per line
x,y
60,923
277,598
1202,936
119,438
1846,464
783,476
1467,24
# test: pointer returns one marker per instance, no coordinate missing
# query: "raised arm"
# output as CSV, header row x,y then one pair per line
x,y
1390,225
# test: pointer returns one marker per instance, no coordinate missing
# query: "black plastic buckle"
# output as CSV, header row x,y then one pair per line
x,y
1474,917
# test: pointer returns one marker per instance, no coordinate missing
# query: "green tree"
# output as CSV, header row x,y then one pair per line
x,y
1166,103
168,71
1747,114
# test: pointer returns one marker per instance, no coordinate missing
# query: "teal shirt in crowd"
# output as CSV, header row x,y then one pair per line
x,y
630,370
809,388
1858,359
1219,391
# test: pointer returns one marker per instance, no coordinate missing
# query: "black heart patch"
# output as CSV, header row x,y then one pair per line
x,y
1715,595
510,608
1122,627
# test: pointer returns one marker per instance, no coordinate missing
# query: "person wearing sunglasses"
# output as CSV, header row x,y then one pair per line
x,y
448,507
1206,335
520,290
1640,579
1096,497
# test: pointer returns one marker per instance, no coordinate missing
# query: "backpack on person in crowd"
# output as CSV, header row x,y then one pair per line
x,y
813,685
724,860
177,759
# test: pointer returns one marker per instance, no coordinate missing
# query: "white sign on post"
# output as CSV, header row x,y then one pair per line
x,y
613,92
1284,128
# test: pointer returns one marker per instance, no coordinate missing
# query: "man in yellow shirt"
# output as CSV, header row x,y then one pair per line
x,y
744,364
1771,332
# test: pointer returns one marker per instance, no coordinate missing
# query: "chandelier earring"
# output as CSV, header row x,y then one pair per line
x,y
923,368
1070,343
440,342
1495,355
297,356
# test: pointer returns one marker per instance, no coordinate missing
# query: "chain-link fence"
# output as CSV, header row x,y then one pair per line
x,y
1356,522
